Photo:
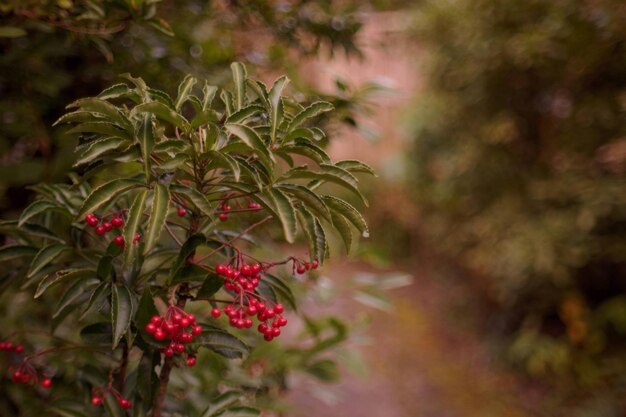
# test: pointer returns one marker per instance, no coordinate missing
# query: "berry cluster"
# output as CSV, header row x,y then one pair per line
x,y
102,227
10,347
224,208
302,267
98,395
176,326
26,373
243,281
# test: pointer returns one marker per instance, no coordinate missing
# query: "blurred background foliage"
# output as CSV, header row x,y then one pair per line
x,y
514,179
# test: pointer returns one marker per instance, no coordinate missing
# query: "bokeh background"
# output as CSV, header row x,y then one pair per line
x,y
494,280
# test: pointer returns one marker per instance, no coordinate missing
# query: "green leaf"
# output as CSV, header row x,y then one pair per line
x,y
71,274
311,111
12,32
260,90
308,197
342,226
239,411
115,91
239,78
103,107
10,227
97,333
171,145
310,151
315,234
35,208
146,141
211,285
222,402
325,370
76,290
326,175
286,214
132,226
98,296
356,166
158,215
276,105
241,115
225,161
162,112
105,193
146,375
194,197
44,257
220,341
189,273
250,137
187,249
16,251
145,311
227,99
102,128
99,147
121,312
184,89
281,289
349,212
208,96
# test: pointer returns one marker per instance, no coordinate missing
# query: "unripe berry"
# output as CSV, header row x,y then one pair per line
x,y
97,401
100,230
46,383
117,222
181,212
216,312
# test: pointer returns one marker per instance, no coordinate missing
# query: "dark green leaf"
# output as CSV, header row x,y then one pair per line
x,y
16,251
76,290
348,211
184,89
211,285
97,333
221,342
239,78
105,193
158,215
132,226
313,110
67,274
253,140
121,312
35,208
162,112
194,197
44,257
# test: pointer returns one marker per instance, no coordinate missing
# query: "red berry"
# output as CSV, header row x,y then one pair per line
x,y
269,313
301,270
18,348
159,335
169,352
155,320
151,328
170,327
97,401
260,307
46,383
179,347
223,217
245,270
184,322
268,337
191,361
247,322
181,212
251,310
278,308
24,378
262,328
186,337
93,222
191,318
314,265
119,241
100,230
137,238
117,222
17,377
256,268
226,207
275,332
216,312
282,321
124,403
220,269
107,226
197,330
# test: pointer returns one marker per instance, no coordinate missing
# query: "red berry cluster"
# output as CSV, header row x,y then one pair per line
x,y
177,326
302,267
224,208
98,394
25,372
243,281
101,228
10,347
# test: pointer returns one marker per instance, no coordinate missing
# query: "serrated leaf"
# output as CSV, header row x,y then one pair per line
x,y
323,176
242,114
315,235
79,116
222,402
121,312
105,193
310,151
225,161
146,141
311,111
44,257
115,91
170,145
308,197
184,89
189,273
103,107
132,226
260,90
342,226
98,296
227,99
158,215
253,140
100,127
145,311
161,111
77,289
286,214
162,97
35,208
16,251
239,78
194,197
10,227
99,147
356,166
71,274
276,105
349,212
208,92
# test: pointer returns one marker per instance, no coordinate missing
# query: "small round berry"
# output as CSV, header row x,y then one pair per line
x,y
179,348
268,337
220,269
240,323
191,318
196,330
282,321
186,337
233,321
119,241
314,265
247,322
278,308
184,322
170,327
93,222
269,313
156,320
24,378
151,328
245,270
275,332
137,238
191,361
223,217
181,212
169,352
18,348
17,377
216,312
262,328
117,222
251,310
124,403
260,307
100,230
226,207
46,383
159,335
301,270
107,226
177,317
97,401
255,268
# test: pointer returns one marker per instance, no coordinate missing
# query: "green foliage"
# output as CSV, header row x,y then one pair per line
x,y
519,169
